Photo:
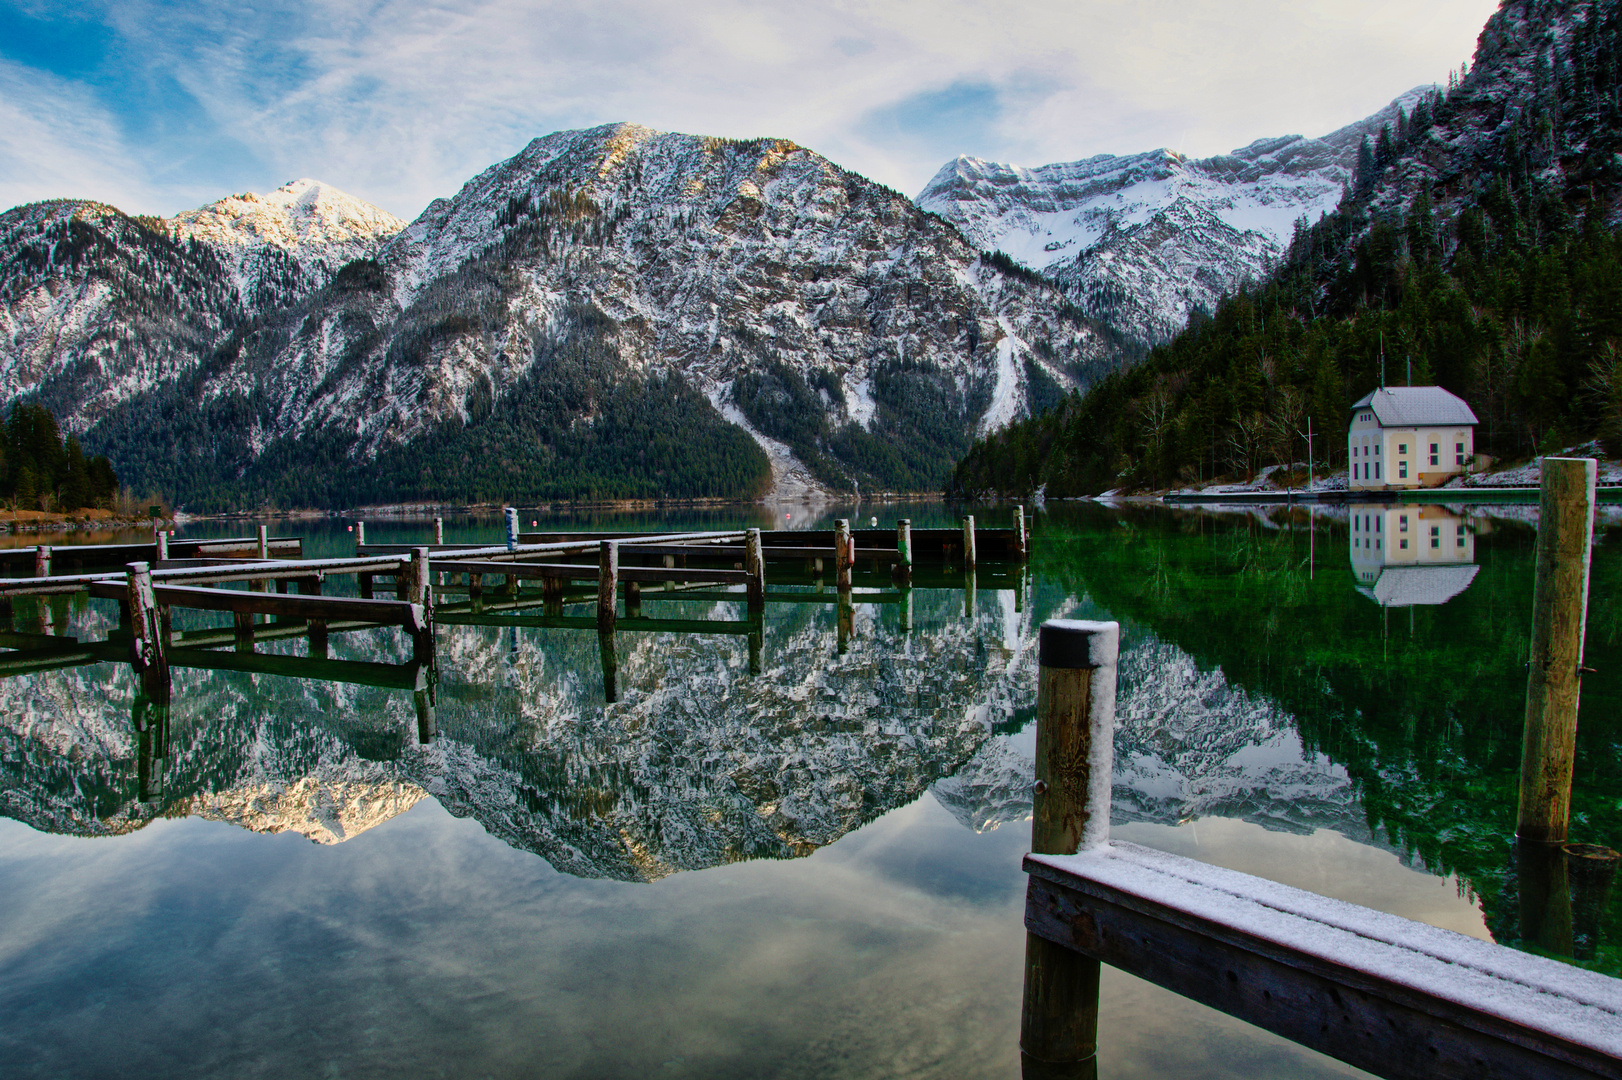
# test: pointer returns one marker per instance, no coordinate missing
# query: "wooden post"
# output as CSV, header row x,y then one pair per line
x,y
146,654
439,530
968,594
611,665
360,535
318,638
243,621
1020,545
842,553
1591,870
608,572
906,609
424,701
903,551
846,616
633,600
757,641
162,547
364,583
754,561
1554,670
421,590
263,536
968,542
512,527
1075,736
42,561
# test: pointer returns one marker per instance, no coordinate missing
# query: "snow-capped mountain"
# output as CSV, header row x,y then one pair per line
x,y
1142,240
745,287
286,243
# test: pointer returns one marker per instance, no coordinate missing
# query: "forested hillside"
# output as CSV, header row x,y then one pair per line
x,y
1477,244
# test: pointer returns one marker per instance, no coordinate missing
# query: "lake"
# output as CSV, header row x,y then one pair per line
x,y
809,871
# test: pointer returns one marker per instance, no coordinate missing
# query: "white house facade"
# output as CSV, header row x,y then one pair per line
x,y
1409,437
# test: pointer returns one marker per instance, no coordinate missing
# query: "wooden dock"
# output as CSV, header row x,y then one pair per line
x,y
272,592
1383,993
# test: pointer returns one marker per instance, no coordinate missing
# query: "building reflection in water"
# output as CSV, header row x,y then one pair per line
x,y
1405,555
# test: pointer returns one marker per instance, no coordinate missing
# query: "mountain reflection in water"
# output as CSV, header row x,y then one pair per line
x,y
1258,684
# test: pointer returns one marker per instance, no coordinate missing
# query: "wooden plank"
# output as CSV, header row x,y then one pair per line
x,y
728,627
384,612
357,672
1383,993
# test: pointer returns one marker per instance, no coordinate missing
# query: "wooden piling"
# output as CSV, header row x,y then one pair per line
x,y
360,534
845,615
1021,548
420,591
439,531
608,569
1554,669
262,535
42,561
424,702
610,662
968,594
757,642
147,654
968,542
318,638
633,599
842,550
903,551
512,527
754,561
1075,733
162,547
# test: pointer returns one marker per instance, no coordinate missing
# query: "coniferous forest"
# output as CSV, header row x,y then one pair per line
x,y
42,470
1494,271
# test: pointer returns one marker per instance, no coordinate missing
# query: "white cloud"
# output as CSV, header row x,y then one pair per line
x,y
400,102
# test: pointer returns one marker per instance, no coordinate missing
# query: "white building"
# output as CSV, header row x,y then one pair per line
x,y
1409,437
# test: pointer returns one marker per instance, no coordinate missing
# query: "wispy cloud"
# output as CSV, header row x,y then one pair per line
x,y
400,102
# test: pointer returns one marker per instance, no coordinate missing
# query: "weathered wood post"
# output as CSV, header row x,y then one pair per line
x,y
1554,668
608,572
1021,547
439,531
757,642
1591,869
842,549
1075,752
906,608
420,591
903,551
424,702
968,594
243,621
360,536
846,616
754,561
146,646
42,561
1544,887
262,535
512,527
968,542
162,548
633,600
611,665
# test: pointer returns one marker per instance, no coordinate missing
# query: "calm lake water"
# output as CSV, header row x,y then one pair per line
x,y
812,871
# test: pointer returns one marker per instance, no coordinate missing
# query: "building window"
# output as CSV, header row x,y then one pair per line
x,y
1436,536
1402,448
1377,470
1402,470
1459,447
1405,544
1402,523
1376,449
1376,543
1436,457
1461,536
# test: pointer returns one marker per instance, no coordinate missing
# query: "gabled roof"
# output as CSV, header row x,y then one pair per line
x,y
1416,406
1408,586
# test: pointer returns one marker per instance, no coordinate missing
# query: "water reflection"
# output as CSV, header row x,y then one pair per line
x,y
1405,555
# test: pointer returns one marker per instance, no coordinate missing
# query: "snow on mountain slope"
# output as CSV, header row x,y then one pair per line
x,y
845,326
1142,240
311,225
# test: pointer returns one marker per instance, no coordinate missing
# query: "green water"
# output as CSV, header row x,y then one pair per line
x,y
809,871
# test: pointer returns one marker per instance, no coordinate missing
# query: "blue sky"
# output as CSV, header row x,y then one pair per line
x,y
157,107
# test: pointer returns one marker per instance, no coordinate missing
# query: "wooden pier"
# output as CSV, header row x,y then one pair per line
x,y
424,585
1396,997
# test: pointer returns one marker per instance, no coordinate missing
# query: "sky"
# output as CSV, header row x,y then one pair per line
x,y
158,107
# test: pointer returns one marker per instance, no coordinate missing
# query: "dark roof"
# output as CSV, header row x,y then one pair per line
x,y
1416,406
